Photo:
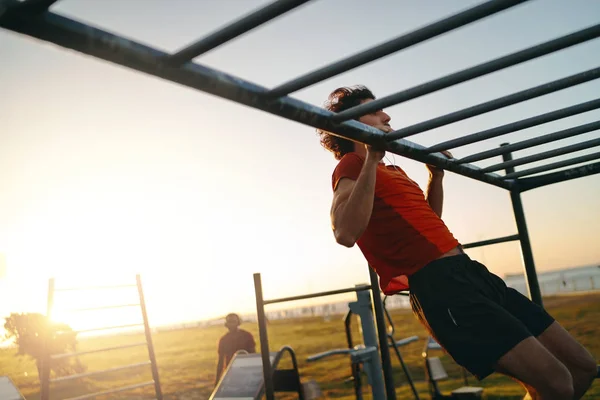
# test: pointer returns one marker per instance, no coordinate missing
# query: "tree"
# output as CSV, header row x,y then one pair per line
x,y
27,330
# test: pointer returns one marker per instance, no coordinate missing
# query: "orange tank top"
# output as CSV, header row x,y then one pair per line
x,y
404,234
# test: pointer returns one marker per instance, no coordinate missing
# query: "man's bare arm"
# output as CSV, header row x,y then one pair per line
x,y
353,203
435,189
435,193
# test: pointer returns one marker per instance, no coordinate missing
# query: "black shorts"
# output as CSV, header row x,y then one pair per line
x,y
471,312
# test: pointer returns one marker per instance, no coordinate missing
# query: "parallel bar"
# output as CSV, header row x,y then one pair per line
x,y
531,278
558,164
85,288
318,294
559,176
83,375
545,154
233,30
551,137
517,126
384,349
31,6
264,339
102,308
88,40
402,42
473,72
80,353
149,343
107,328
105,392
491,241
496,104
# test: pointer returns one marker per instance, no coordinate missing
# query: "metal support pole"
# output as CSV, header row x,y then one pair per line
x,y
148,333
382,333
46,360
531,280
264,340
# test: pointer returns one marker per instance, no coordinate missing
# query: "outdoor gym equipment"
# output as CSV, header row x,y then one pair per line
x,y
363,310
374,356
367,354
243,377
435,372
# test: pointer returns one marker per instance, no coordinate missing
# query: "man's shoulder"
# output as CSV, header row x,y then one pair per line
x,y
351,157
244,332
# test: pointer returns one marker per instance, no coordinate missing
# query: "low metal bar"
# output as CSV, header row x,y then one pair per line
x,y
111,391
496,104
558,164
559,176
104,45
29,6
85,288
149,343
233,30
264,339
517,126
544,155
531,279
46,364
318,294
80,353
491,241
471,73
551,137
402,42
92,373
103,307
107,328
386,360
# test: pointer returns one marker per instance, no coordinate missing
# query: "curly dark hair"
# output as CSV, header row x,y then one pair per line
x,y
339,100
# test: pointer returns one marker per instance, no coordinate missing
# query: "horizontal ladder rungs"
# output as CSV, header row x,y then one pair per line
x,y
106,328
117,390
83,375
102,308
83,288
79,353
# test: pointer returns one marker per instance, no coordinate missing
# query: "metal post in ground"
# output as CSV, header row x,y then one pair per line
x,y
531,278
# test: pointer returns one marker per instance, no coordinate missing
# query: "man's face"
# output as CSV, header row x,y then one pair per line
x,y
377,119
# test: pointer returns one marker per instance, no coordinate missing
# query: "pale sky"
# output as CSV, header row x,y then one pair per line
x,y
105,172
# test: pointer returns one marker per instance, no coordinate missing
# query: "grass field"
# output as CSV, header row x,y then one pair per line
x,y
186,357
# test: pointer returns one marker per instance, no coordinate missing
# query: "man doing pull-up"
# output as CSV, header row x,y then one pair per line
x,y
483,324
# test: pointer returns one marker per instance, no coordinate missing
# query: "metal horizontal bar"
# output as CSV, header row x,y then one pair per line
x,y
318,294
544,155
28,6
555,165
117,390
103,371
80,353
402,42
104,45
103,307
496,104
491,241
559,176
233,30
85,288
102,328
551,137
471,73
517,126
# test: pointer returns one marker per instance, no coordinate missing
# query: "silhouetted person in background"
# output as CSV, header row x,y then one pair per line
x,y
235,340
